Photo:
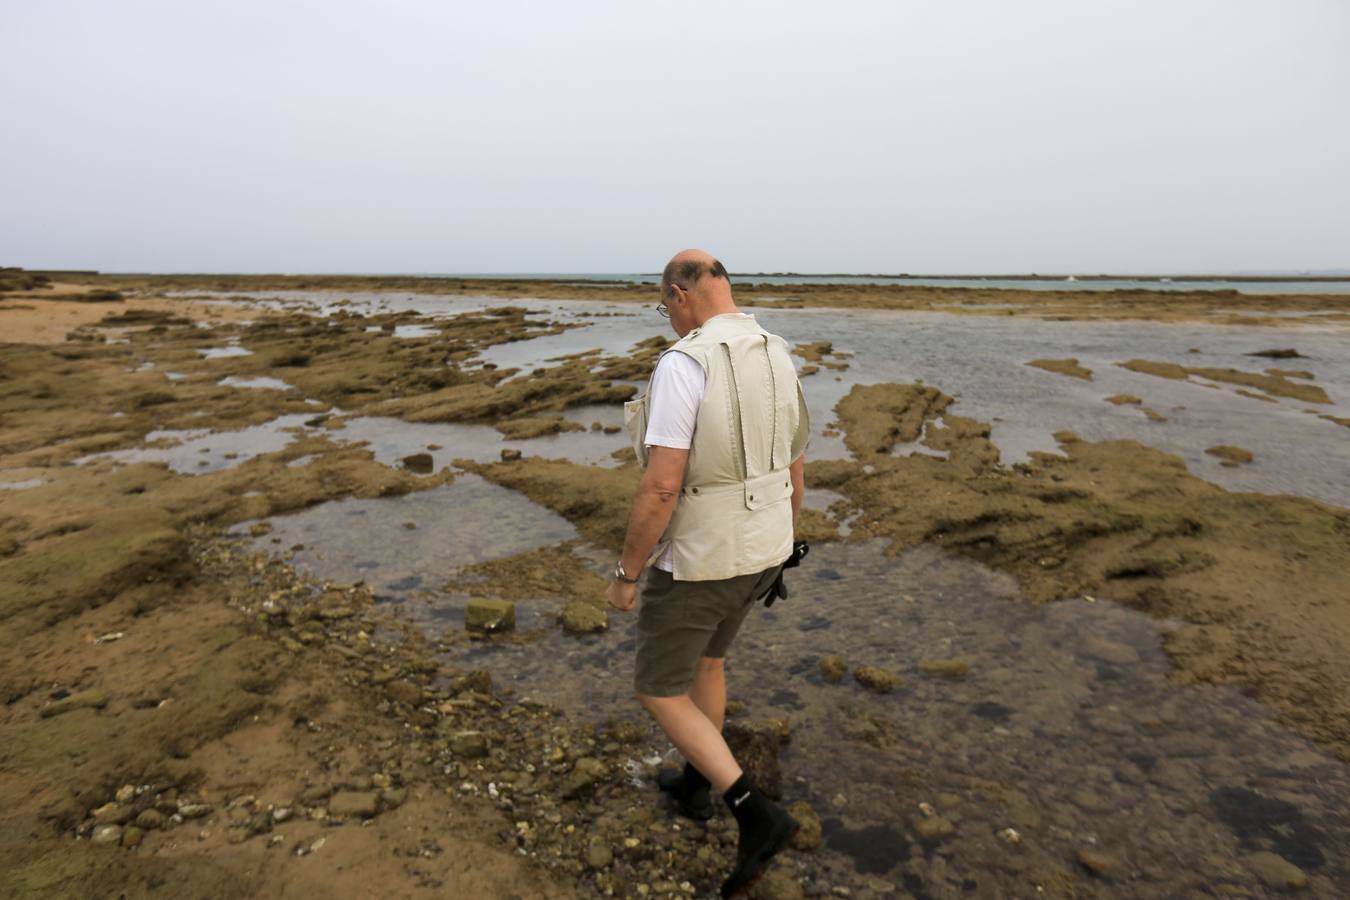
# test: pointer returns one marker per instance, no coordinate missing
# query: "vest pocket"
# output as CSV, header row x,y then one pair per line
x,y
766,490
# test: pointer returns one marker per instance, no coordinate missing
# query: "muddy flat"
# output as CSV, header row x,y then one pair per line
x,y
1046,643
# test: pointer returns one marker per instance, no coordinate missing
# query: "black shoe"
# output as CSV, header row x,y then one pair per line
x,y
693,794
765,829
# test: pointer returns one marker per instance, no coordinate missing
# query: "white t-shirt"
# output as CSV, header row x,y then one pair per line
x,y
672,411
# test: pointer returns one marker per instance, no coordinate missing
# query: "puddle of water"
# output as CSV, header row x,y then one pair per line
x,y
22,485
224,352
393,439
354,540
415,331
982,361
258,381
197,451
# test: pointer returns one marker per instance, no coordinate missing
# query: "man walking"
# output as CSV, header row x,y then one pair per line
x,y
721,432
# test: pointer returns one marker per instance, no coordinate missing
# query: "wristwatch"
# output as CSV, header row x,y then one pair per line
x,y
620,575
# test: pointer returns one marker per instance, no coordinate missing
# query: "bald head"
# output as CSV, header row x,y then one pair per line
x,y
694,288
689,267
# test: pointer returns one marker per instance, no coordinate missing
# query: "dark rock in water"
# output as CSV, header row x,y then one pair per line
x,y
1268,823
81,700
479,681
1280,353
813,623
990,710
510,455
412,582
785,698
469,744
756,749
419,463
828,575
875,850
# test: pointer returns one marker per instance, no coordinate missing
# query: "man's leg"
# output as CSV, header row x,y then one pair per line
x,y
709,691
695,736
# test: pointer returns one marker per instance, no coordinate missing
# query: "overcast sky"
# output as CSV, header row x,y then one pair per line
x,y
430,136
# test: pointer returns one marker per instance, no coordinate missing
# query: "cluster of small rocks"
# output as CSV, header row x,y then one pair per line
x,y
578,798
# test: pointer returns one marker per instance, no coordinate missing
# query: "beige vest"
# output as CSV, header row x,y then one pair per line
x,y
734,513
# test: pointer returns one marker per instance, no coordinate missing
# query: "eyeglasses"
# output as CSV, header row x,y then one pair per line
x,y
662,308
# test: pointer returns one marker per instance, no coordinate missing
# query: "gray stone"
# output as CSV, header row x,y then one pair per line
x,y
107,834
194,810
469,744
489,616
1277,872
346,804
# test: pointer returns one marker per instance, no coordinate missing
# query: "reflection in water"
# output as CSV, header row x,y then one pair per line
x,y
200,450
399,544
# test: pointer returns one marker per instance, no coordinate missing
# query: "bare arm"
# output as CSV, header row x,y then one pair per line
x,y
653,505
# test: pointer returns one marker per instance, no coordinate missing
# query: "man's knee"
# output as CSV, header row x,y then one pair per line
x,y
711,664
651,703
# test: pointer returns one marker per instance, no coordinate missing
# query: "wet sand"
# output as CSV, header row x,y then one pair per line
x,y
236,687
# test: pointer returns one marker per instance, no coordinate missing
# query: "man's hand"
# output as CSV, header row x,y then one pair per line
x,y
621,596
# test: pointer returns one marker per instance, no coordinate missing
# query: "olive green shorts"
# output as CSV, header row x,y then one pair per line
x,y
680,621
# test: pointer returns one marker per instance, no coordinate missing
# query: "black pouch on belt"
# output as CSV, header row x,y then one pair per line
x,y
778,591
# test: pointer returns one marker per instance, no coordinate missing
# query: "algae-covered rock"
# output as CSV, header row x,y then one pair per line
x,y
931,828
584,775
1103,865
833,667
809,836
948,668
1230,456
1068,367
1277,872
581,617
876,679
469,744
489,616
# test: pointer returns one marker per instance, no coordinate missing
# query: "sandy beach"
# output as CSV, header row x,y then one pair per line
x,y
1076,609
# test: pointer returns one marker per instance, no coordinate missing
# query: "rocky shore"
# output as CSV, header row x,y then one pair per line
x,y
184,713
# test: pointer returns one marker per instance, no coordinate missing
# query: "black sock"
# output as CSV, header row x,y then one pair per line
x,y
745,800
693,778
